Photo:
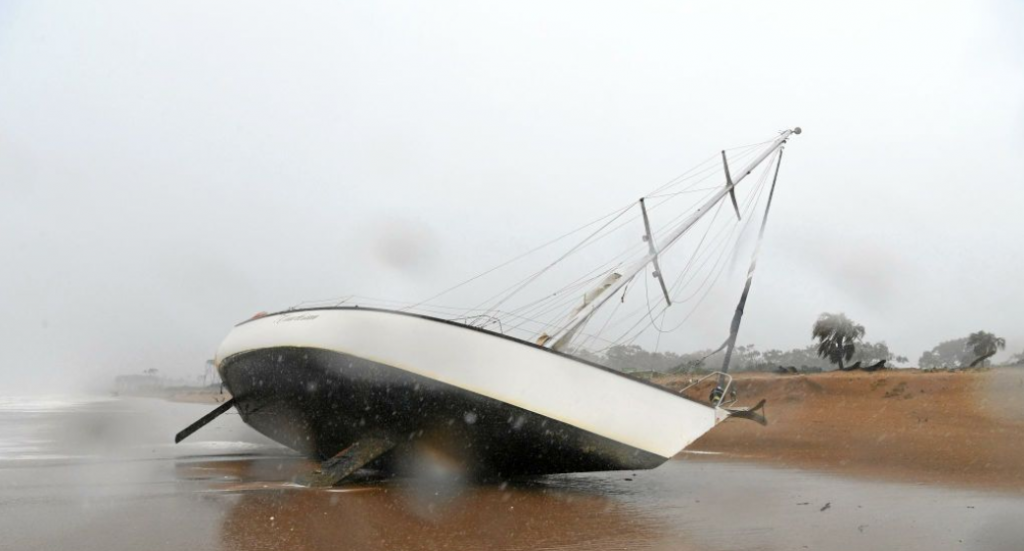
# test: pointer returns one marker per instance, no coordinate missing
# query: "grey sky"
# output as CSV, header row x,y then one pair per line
x,y
167,169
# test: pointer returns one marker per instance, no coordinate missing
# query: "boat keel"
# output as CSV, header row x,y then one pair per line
x,y
348,461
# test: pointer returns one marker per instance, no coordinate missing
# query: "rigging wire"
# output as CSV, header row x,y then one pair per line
x,y
559,259
717,268
537,312
633,248
618,212
718,262
671,183
748,209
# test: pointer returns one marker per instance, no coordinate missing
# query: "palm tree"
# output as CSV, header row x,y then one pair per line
x,y
985,345
837,336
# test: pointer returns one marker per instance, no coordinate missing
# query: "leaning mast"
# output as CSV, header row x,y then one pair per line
x,y
568,330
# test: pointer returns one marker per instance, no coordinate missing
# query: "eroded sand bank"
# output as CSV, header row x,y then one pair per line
x,y
960,428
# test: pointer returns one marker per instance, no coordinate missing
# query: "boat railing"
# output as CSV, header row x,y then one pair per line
x,y
496,321
726,394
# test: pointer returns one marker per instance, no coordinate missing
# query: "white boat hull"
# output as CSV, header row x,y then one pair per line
x,y
317,379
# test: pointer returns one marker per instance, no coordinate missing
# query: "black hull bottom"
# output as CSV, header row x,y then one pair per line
x,y
319,402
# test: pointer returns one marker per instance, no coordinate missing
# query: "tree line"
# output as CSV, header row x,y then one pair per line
x,y
839,343
970,351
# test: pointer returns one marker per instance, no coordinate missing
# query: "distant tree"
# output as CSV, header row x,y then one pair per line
x,y
984,345
1016,359
589,356
626,358
837,337
699,361
868,352
947,354
747,358
798,357
151,371
633,357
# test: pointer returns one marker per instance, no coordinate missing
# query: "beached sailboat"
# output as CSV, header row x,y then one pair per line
x,y
355,385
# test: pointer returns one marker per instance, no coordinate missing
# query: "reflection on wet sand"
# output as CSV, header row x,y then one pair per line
x,y
376,514
392,518
230,489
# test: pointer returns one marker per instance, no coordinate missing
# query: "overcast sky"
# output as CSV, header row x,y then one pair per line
x,y
168,169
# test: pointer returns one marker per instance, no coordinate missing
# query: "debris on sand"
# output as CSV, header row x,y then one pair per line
x,y
875,367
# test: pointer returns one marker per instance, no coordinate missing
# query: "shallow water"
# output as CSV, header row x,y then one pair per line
x,y
104,474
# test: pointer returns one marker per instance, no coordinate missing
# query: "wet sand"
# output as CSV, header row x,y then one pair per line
x,y
949,428
963,428
104,475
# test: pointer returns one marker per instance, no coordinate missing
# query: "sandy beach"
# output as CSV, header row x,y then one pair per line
x,y
959,428
945,428
103,474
